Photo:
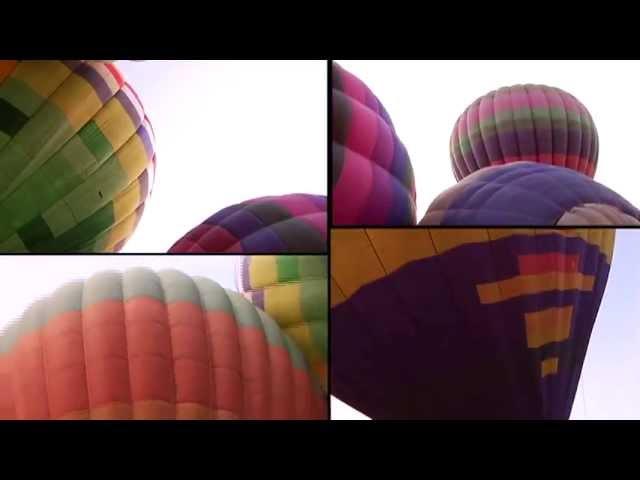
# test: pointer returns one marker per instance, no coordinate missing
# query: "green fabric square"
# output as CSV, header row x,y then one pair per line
x,y
312,266
11,118
21,96
314,297
59,218
45,132
287,266
95,141
82,233
34,233
13,244
13,160
4,139
97,190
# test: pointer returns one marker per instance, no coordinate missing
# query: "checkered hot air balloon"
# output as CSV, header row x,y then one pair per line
x,y
76,157
527,193
146,345
295,223
532,123
292,289
464,323
373,180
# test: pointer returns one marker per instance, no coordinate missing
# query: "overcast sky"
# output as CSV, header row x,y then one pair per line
x,y
227,131
425,98
609,387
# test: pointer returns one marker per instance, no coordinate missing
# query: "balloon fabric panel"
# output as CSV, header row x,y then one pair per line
x,y
481,324
295,223
293,291
527,193
141,345
76,157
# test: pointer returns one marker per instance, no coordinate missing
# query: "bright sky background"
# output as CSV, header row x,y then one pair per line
x,y
609,387
227,131
33,276
425,98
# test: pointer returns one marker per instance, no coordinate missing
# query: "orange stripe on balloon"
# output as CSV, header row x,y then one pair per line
x,y
255,373
149,351
7,408
226,363
282,406
106,354
65,364
495,292
30,387
6,68
191,354
549,325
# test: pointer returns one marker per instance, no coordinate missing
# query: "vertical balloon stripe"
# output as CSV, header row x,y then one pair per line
x,y
191,357
65,363
100,78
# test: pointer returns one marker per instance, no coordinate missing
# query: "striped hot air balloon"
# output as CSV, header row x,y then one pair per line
x,y
145,345
530,194
532,123
76,157
295,223
464,323
292,289
373,180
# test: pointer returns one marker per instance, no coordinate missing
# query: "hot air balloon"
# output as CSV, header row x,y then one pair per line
x,y
524,123
529,194
293,291
464,323
373,180
76,157
295,223
145,345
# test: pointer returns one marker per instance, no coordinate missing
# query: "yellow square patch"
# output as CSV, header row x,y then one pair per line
x,y
78,100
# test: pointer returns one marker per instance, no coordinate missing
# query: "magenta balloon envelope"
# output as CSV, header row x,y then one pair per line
x,y
295,223
373,180
532,123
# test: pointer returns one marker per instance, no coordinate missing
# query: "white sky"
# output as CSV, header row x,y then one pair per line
x,y
609,388
425,98
227,131
29,277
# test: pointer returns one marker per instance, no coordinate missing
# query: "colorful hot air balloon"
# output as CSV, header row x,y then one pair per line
x,y
76,157
524,123
373,180
529,194
464,323
293,291
141,345
295,223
